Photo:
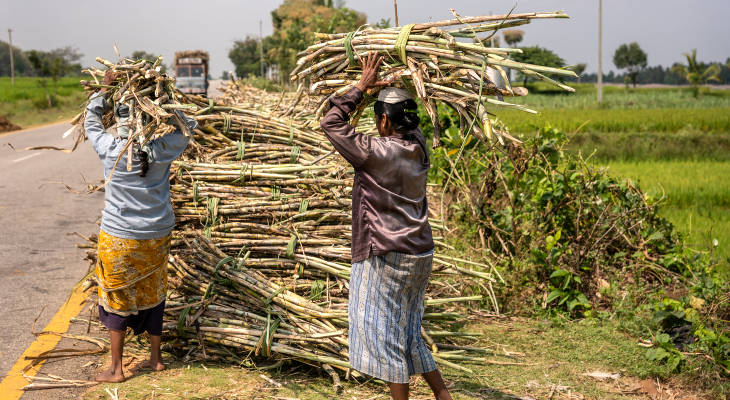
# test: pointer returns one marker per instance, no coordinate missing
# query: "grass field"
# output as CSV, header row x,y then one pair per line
x,y
631,111
670,120
25,104
617,97
697,197
646,146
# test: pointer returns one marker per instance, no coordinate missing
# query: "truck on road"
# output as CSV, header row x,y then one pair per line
x,y
191,71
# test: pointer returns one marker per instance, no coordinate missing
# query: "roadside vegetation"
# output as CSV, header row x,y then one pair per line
x,y
45,90
26,103
578,240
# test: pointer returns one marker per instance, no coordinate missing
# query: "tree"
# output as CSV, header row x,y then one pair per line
x,y
296,21
245,56
513,36
725,74
22,66
540,56
53,64
143,55
384,23
697,73
579,69
40,63
631,58
490,41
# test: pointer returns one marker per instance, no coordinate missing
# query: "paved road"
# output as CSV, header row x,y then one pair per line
x,y
214,87
39,262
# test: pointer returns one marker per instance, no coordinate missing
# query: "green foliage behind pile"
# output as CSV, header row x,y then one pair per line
x,y
572,238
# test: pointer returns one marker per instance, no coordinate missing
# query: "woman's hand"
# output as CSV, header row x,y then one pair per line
x,y
109,78
370,67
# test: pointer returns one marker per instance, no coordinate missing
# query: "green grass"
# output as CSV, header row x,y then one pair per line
x,y
25,103
669,120
697,198
633,110
647,146
543,96
543,354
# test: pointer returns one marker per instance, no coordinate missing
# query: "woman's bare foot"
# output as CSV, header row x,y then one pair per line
x,y
110,375
153,365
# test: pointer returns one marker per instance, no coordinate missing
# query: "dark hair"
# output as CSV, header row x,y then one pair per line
x,y
402,115
144,162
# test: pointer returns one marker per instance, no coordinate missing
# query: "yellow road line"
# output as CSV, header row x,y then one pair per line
x,y
11,388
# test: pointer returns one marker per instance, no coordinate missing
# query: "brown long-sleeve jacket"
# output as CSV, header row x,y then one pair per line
x,y
389,205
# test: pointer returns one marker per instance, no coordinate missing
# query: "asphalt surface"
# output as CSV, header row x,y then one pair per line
x,y
39,261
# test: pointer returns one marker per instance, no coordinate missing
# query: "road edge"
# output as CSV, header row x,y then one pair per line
x,y
34,127
11,387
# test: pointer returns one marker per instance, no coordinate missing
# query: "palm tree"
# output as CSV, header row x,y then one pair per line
x,y
697,73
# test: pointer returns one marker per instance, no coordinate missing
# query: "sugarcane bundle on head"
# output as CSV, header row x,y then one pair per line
x,y
443,61
140,99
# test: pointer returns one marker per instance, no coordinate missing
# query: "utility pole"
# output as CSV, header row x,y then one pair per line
x,y
395,6
600,51
12,64
261,48
492,39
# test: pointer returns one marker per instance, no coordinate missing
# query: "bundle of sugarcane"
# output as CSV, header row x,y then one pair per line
x,y
430,60
151,96
233,130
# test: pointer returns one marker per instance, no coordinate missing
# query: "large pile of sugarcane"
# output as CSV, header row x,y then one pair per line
x,y
433,61
287,103
261,254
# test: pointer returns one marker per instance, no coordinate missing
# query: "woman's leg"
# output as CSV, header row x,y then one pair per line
x,y
151,321
399,391
437,385
114,373
155,361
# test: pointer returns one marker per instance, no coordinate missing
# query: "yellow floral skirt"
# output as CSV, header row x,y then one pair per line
x,y
132,274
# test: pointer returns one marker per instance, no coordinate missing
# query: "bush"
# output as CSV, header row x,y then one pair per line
x,y
570,238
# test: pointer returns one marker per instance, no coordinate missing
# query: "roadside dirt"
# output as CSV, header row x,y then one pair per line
x,y
7,126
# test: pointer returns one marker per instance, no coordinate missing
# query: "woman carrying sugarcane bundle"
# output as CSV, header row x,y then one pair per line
x,y
134,240
392,245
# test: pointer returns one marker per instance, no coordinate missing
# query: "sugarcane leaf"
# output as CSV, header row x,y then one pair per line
x,y
181,321
291,246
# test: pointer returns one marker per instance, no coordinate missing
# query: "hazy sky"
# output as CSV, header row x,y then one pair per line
x,y
664,28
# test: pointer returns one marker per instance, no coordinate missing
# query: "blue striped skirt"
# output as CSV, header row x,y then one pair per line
x,y
385,310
